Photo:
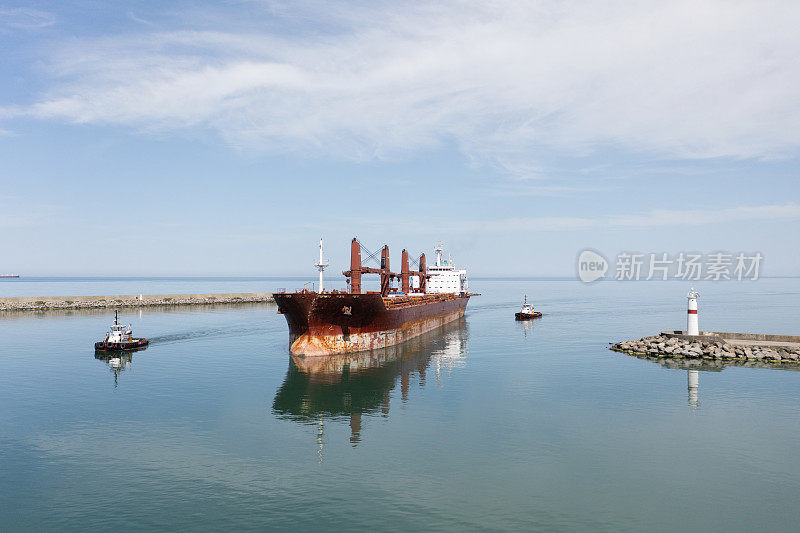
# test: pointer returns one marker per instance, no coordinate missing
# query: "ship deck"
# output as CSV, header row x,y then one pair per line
x,y
411,301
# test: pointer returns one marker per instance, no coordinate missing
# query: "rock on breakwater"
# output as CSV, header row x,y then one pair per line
x,y
41,303
708,348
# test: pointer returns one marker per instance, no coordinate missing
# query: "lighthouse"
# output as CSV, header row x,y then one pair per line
x,y
691,316
321,265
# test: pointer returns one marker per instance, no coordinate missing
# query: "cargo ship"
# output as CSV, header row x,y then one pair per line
x,y
333,322
9,276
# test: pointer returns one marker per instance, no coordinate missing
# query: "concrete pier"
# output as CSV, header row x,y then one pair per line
x,y
36,303
764,339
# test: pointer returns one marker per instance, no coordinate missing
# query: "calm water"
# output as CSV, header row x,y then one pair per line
x,y
491,424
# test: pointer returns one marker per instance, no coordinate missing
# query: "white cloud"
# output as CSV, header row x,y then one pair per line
x,y
502,80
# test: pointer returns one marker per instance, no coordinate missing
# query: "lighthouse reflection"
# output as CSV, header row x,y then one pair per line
x,y
696,367
693,385
353,387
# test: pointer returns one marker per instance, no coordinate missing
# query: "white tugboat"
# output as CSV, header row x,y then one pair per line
x,y
119,338
527,312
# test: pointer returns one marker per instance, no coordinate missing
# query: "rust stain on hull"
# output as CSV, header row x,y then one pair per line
x,y
310,344
335,323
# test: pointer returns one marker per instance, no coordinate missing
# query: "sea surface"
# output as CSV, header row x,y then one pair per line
x,y
486,424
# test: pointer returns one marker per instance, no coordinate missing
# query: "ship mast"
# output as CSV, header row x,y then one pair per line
x,y
321,265
438,251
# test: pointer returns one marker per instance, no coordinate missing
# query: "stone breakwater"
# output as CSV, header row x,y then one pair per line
x,y
43,303
718,348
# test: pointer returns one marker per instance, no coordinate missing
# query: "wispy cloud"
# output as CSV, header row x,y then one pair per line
x,y
645,219
649,219
131,15
502,80
545,189
25,19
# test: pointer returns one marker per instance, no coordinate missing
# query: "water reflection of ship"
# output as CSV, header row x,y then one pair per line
x,y
348,386
450,355
526,326
117,362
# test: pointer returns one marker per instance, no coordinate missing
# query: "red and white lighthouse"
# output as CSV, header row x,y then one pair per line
x,y
692,327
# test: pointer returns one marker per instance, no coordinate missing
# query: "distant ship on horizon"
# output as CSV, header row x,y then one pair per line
x,y
9,275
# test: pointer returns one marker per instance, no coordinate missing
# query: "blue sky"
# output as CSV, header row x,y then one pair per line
x,y
226,138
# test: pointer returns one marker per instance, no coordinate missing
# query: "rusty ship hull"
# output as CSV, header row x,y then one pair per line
x,y
333,323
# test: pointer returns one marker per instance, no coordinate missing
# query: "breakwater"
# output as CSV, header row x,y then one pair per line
x,y
36,303
716,345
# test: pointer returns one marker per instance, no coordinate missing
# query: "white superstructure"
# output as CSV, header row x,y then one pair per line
x,y
526,309
119,333
445,279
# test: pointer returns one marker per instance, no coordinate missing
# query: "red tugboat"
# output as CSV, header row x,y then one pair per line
x,y
119,338
527,312
331,322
